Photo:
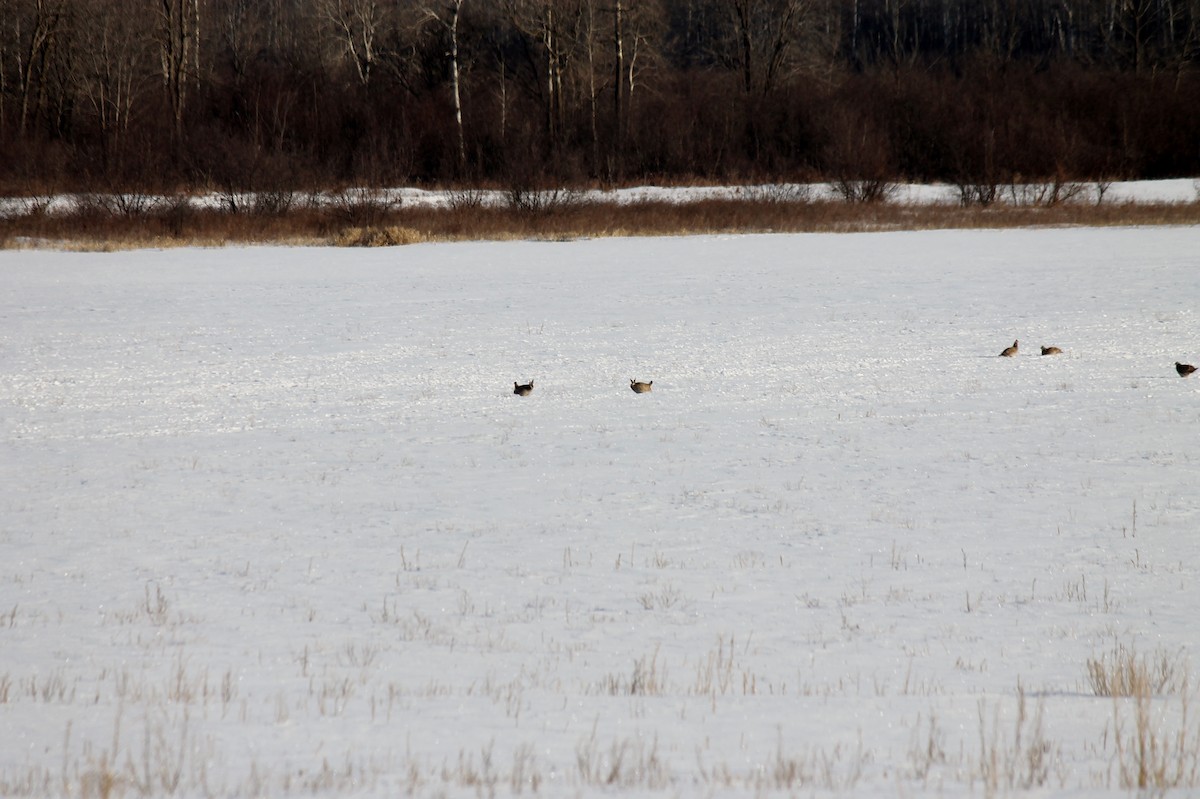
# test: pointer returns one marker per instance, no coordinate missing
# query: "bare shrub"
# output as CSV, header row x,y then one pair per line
x,y
778,193
1052,192
276,201
34,206
135,203
270,202
249,178
859,158
176,211
89,206
982,193
363,207
466,199
526,191
528,200
868,190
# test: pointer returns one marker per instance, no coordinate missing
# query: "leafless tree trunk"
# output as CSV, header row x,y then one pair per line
x,y
113,68
448,17
179,55
46,20
554,65
618,122
7,18
549,23
767,34
1151,29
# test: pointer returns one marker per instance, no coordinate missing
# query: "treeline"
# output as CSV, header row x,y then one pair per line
x,y
258,95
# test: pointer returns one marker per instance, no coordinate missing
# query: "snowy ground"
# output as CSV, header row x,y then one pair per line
x,y
273,521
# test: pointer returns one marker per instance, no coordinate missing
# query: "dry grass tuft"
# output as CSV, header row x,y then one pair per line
x,y
1020,761
1160,750
1155,747
1123,672
648,679
391,236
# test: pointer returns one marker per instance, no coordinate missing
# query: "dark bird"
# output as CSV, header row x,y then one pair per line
x,y
639,387
1184,369
1051,351
1009,351
523,391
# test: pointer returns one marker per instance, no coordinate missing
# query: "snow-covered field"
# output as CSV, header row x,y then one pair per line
x,y
272,521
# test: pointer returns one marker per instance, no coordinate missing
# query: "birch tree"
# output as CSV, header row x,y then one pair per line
x,y
447,15
355,26
635,23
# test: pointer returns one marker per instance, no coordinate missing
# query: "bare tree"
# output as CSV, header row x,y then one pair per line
x,y
44,21
635,24
238,27
114,64
178,36
447,15
767,36
8,23
1154,33
554,26
355,25
618,27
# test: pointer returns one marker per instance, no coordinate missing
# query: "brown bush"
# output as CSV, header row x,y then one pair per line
x,y
377,237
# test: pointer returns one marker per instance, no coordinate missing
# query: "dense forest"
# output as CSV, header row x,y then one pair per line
x,y
112,95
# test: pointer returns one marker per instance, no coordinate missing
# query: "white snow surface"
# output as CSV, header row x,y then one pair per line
x,y
274,523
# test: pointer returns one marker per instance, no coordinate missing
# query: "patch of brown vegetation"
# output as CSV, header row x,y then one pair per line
x,y
390,236
93,228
